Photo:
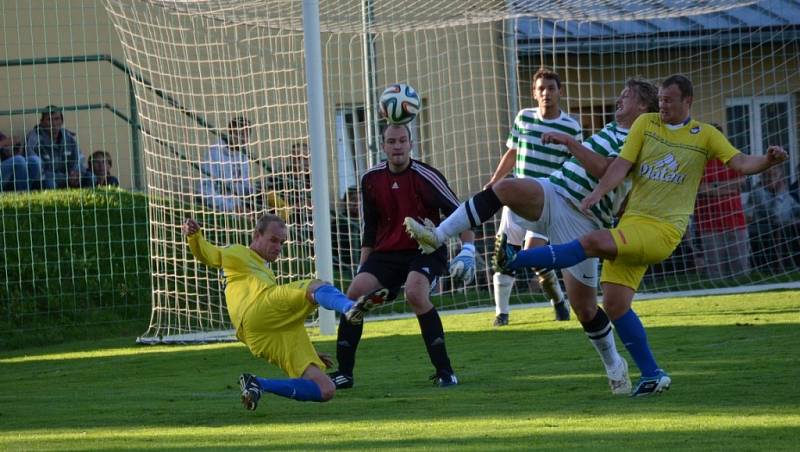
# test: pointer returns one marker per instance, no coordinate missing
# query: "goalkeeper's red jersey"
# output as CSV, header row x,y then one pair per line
x,y
420,191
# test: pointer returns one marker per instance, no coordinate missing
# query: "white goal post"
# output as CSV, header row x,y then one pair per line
x,y
308,83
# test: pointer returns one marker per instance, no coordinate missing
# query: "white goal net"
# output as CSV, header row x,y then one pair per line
x,y
204,68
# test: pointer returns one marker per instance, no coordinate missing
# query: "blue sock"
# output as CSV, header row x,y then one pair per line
x,y
631,331
296,388
550,256
332,298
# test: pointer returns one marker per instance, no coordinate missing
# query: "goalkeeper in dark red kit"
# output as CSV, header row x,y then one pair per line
x,y
391,191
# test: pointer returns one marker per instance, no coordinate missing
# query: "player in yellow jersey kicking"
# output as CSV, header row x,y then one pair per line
x,y
665,154
270,318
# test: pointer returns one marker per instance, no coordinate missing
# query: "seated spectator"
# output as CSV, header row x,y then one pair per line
x,y
55,149
17,173
346,230
225,184
99,171
720,224
774,217
298,180
771,202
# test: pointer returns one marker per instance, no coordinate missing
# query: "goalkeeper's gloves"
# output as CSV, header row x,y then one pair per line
x,y
463,265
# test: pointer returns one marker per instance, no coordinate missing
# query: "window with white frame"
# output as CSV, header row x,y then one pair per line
x,y
754,123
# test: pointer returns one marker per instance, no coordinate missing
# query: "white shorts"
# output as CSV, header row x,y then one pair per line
x,y
562,223
517,235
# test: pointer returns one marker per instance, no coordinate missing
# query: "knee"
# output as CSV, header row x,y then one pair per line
x,y
327,390
590,243
584,311
353,292
501,188
419,302
599,244
615,308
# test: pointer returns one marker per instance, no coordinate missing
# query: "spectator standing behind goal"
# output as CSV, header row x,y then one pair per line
x,y
55,149
17,173
529,157
720,223
774,218
346,228
225,183
99,171
392,190
553,203
270,318
794,187
297,190
665,154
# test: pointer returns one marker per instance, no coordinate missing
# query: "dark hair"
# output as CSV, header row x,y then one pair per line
x,y
683,84
52,109
265,220
388,126
547,74
646,91
299,149
95,154
239,122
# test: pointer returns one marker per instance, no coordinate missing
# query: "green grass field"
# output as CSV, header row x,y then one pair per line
x,y
537,384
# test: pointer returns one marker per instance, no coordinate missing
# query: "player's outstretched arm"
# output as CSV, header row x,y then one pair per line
x,y
190,227
754,164
201,249
503,168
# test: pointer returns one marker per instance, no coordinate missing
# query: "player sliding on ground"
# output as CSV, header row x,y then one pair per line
x,y
665,153
270,318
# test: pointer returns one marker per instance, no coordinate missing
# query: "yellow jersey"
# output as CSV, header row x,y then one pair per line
x,y
246,273
668,164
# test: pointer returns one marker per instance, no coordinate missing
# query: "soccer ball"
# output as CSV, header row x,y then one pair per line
x,y
399,103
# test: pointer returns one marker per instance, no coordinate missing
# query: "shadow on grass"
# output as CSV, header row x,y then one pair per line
x,y
506,373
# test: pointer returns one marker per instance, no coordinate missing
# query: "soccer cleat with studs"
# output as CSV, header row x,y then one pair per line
x,y
423,233
621,386
504,253
652,385
251,391
365,304
444,380
501,320
562,310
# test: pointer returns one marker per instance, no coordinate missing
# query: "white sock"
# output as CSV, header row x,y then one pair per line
x,y
607,349
503,285
456,223
552,289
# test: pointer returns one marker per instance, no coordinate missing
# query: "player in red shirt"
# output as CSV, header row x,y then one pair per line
x,y
392,190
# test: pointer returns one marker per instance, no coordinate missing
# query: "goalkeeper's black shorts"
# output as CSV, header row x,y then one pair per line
x,y
392,268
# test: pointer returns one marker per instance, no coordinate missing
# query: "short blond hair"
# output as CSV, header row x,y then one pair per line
x,y
263,223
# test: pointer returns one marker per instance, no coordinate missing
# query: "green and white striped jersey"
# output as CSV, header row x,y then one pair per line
x,y
575,183
535,159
